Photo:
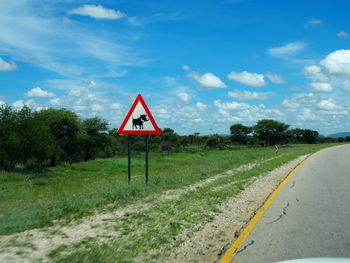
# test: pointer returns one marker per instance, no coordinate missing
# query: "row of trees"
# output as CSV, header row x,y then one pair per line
x,y
37,139
270,132
44,138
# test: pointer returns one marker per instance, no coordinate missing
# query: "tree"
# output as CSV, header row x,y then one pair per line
x,y
184,141
214,141
310,136
239,133
341,139
24,139
295,135
166,146
66,131
169,139
271,131
38,143
10,140
303,136
96,140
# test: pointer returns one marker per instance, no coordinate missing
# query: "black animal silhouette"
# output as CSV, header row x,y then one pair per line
x,y
139,121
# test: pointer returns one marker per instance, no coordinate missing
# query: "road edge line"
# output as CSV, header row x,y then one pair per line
x,y
231,252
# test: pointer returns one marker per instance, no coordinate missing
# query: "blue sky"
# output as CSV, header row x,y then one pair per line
x,y
201,66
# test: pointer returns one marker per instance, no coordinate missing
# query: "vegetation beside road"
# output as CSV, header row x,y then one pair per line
x,y
147,234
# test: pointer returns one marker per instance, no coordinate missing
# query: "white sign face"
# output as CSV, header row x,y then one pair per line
x,y
139,120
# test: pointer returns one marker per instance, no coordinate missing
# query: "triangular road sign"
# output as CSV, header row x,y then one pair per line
x,y
139,120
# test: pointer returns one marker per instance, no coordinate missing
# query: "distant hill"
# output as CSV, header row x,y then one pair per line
x,y
339,134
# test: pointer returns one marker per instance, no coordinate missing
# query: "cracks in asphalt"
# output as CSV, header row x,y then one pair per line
x,y
293,184
294,181
246,246
284,212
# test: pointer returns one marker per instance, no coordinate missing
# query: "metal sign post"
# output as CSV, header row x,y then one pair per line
x,y
147,149
129,159
139,120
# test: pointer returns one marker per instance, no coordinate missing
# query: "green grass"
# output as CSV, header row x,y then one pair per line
x,y
30,201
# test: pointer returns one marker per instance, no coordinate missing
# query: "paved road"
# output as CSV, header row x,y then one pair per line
x,y
310,217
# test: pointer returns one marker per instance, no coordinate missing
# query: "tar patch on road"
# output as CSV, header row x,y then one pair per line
x,y
284,212
246,246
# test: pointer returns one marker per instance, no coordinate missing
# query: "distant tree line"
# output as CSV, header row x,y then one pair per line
x,y
270,132
34,140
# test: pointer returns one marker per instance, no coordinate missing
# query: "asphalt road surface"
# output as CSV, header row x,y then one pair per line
x,y
310,217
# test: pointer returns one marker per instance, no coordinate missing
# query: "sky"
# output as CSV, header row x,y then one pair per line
x,y
201,66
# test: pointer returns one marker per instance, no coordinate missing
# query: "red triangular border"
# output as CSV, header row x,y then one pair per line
x,y
157,131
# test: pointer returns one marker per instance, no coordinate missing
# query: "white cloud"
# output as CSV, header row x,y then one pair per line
x,y
250,79
243,112
289,103
2,103
39,37
338,62
207,80
321,87
307,114
158,17
247,95
5,66
342,34
346,85
197,120
314,22
20,104
186,68
138,21
275,78
170,81
184,96
300,100
328,105
288,49
231,105
96,107
56,102
315,73
39,93
116,106
68,21
75,92
162,113
201,106
97,12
